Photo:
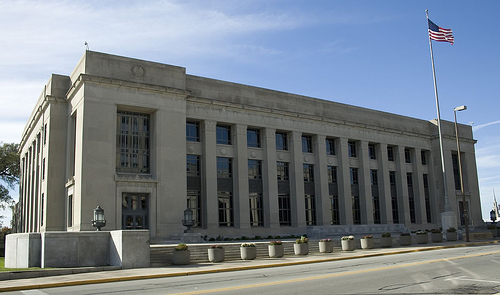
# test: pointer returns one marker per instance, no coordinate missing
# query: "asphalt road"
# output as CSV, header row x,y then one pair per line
x,y
468,270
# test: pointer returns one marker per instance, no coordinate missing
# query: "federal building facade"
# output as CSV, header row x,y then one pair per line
x,y
145,140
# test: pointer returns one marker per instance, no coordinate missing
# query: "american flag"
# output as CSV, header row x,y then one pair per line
x,y
437,33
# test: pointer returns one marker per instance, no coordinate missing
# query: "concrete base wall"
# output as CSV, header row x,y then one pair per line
x,y
127,249
74,249
23,250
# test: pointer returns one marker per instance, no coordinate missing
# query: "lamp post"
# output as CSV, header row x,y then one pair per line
x,y
188,219
99,220
466,219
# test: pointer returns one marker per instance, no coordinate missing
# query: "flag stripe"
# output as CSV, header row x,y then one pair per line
x,y
439,34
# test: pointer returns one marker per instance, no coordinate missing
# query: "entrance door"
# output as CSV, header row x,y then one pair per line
x,y
135,211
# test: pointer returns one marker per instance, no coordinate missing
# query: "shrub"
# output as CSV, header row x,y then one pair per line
x,y
302,240
421,232
368,237
216,247
247,245
405,234
435,231
325,240
451,230
276,243
346,238
181,247
386,235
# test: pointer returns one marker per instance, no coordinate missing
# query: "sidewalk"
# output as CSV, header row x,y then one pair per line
x,y
68,277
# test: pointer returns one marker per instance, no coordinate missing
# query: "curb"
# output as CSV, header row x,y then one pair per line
x,y
238,268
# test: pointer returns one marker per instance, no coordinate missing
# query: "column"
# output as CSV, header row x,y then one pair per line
x,y
344,183
210,207
269,179
384,186
240,179
418,187
321,182
297,181
365,188
402,186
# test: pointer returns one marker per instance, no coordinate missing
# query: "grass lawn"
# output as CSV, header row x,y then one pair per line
x,y
2,266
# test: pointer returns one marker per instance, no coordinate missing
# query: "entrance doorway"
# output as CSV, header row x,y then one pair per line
x,y
135,211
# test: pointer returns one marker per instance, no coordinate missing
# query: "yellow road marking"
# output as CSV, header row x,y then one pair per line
x,y
331,275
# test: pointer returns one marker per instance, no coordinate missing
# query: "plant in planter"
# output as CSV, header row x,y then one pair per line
x,y
216,253
405,239
181,255
276,249
493,229
367,242
301,246
436,235
386,240
248,251
451,234
325,246
421,237
347,243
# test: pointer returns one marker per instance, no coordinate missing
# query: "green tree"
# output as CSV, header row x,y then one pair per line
x,y
9,172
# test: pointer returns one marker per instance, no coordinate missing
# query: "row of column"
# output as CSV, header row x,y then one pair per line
x,y
269,156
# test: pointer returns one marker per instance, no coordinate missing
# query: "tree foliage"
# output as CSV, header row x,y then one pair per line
x,y
9,171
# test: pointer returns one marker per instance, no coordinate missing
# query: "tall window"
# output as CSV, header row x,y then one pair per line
x,y
427,198
371,151
223,134
281,141
194,203
394,196
308,172
375,196
253,138
310,209
282,169
351,145
256,209
390,153
307,144
133,147
407,156
70,210
330,146
224,167
423,157
193,165
254,169
285,211
192,131
225,200
456,171
332,174
411,197
354,175
356,210
374,177
334,210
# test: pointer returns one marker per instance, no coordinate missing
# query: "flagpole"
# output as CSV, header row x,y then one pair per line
x,y
448,216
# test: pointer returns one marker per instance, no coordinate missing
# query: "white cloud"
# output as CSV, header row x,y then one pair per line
x,y
476,128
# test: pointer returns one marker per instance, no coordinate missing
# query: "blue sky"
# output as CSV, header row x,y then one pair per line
x,y
373,54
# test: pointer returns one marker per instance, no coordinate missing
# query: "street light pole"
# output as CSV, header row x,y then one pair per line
x,y
464,204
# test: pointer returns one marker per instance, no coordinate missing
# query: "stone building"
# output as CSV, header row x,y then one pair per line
x,y
145,140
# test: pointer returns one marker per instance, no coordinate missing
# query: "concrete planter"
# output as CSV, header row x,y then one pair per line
x,y
436,237
181,257
422,238
347,245
367,243
493,232
451,236
216,254
276,251
326,247
301,249
248,253
405,240
386,242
